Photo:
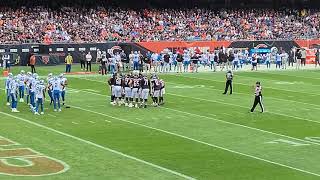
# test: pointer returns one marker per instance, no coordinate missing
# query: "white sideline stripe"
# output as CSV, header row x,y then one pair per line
x,y
201,142
280,114
102,147
227,122
246,84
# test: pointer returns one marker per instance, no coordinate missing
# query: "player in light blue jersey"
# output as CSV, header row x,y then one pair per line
x,y
22,78
33,85
56,92
7,87
29,78
49,85
186,61
40,97
64,83
13,88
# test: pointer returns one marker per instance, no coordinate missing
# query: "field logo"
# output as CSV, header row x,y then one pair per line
x,y
27,162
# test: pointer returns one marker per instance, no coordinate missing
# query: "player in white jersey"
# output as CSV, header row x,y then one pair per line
x,y
27,83
64,83
56,92
33,84
235,63
213,65
13,88
49,86
40,97
22,78
7,87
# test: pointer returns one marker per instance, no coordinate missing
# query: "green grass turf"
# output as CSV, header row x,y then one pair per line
x,y
199,133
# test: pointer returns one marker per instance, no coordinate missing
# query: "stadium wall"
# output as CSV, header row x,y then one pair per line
x,y
53,54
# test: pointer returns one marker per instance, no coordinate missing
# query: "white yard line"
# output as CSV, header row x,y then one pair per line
x,y
218,120
51,115
271,112
101,147
202,142
230,104
247,85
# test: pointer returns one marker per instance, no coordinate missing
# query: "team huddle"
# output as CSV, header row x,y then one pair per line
x,y
30,87
133,90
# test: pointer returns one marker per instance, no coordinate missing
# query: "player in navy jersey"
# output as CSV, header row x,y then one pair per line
x,y
162,92
111,84
135,90
145,90
156,87
118,89
128,90
257,97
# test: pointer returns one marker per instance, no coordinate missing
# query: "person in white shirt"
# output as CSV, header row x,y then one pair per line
x,y
89,59
284,59
154,58
40,97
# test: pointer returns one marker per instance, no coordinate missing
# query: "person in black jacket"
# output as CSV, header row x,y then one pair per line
x,y
179,62
229,78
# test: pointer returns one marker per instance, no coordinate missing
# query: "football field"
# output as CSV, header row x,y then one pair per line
x,y
198,134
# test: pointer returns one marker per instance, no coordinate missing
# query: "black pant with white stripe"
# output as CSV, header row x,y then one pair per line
x,y
257,100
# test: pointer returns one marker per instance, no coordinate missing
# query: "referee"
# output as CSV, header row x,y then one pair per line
x,y
229,77
257,97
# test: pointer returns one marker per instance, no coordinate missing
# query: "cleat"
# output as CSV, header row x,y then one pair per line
x,y
42,113
22,100
55,110
8,104
59,110
130,105
136,106
36,113
14,110
126,104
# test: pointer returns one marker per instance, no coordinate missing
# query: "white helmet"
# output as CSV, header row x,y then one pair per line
x,y
10,75
22,72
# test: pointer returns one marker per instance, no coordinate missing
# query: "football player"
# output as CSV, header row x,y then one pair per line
x,y
22,78
128,90
162,92
56,91
33,84
49,86
156,86
40,97
13,88
118,89
145,89
111,84
257,97
64,83
7,87
135,89
28,80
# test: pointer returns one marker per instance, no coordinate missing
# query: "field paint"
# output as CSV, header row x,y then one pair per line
x,y
271,112
248,85
101,147
92,90
138,119
227,122
58,124
278,99
52,115
74,122
169,117
202,142
107,121
292,143
92,122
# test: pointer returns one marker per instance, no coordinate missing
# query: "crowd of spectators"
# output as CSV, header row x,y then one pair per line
x,y
39,24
